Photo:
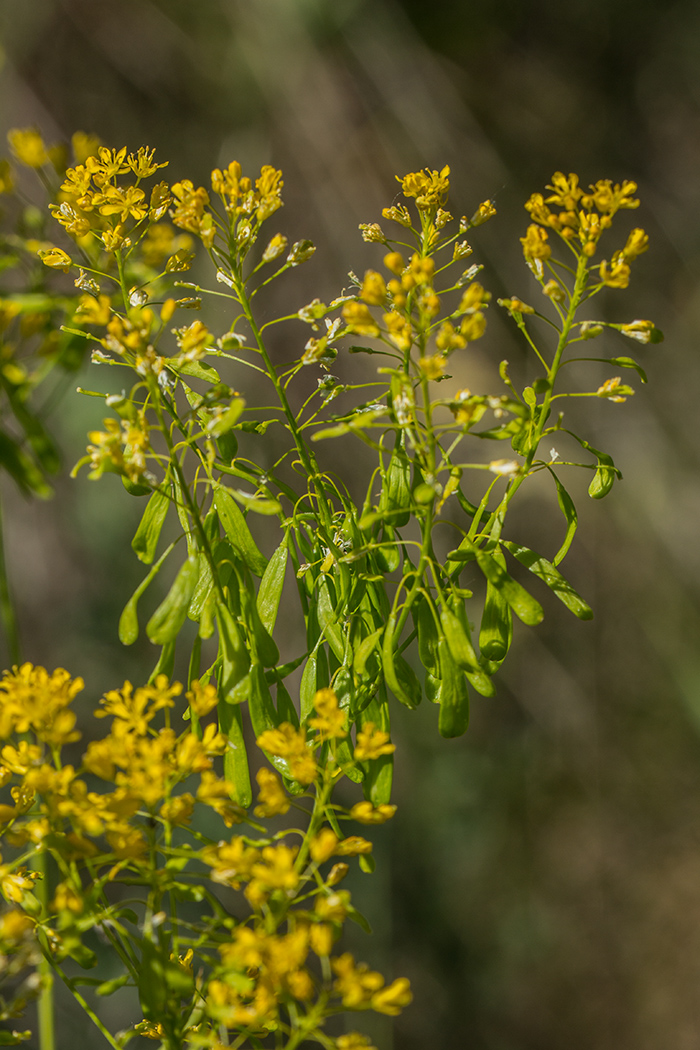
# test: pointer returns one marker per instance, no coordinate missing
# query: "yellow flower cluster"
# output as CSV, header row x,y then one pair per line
x,y
581,219
274,966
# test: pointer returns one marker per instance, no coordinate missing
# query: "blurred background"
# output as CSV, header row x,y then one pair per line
x,y
540,884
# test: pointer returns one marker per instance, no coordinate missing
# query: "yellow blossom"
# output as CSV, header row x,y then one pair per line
x,y
535,247
28,147
276,247
430,188
178,810
272,798
355,983
202,698
637,242
366,813
608,198
290,743
353,846
483,213
354,1041
618,275
394,262
359,319
84,146
433,366
7,182
321,938
323,845
392,999
373,289
55,258
329,722
473,327
614,390
66,899
448,339
399,329
93,310
372,743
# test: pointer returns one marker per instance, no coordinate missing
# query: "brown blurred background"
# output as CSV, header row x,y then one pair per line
x,y
541,882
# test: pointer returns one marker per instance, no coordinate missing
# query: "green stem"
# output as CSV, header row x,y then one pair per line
x,y
90,1012
7,608
45,1005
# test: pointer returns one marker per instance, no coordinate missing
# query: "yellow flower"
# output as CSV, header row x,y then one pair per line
x,y
7,182
272,798
473,327
93,310
614,390
637,242
608,198
391,1000
323,845
432,367
56,258
642,331
31,698
201,698
399,329
366,813
353,846
394,262
142,163
290,743
122,201
359,319
516,306
566,191
483,213
430,188
535,245
321,938
276,247
84,146
354,1041
28,147
355,983
373,288
178,810
618,276
66,899
372,743
329,722
448,339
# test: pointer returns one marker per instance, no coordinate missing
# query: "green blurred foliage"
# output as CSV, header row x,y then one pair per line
x,y
541,883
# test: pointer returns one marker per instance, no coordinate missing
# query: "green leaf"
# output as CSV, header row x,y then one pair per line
x,y
237,531
264,647
553,578
236,770
396,496
525,607
258,504
205,583
13,1038
128,621
147,534
270,591
566,505
367,863
197,370
167,620
108,987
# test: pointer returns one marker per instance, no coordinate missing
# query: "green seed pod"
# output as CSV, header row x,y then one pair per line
x,y
147,534
165,624
237,531
236,769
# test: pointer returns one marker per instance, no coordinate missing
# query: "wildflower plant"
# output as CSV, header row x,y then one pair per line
x,y
386,614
